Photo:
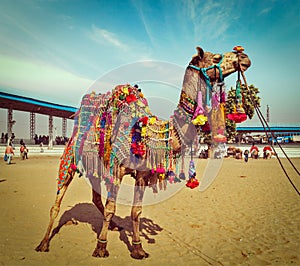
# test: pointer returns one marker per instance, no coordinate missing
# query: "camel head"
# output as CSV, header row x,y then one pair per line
x,y
230,62
191,102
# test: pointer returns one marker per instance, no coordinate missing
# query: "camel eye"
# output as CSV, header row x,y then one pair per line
x,y
242,55
217,58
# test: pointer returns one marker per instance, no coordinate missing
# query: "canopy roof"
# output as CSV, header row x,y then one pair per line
x,y
26,104
272,128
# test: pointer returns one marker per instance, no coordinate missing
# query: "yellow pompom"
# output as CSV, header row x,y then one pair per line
x,y
152,120
143,133
162,176
199,120
125,90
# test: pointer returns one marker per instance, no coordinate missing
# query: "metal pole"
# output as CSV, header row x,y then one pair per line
x,y
64,127
268,114
10,122
32,125
50,131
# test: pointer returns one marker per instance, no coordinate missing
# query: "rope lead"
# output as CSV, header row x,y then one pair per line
x,y
263,120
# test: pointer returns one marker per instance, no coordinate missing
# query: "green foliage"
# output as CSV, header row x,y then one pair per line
x,y
249,96
230,129
229,107
230,101
248,105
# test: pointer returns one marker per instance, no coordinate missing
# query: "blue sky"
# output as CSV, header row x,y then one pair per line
x,y
55,50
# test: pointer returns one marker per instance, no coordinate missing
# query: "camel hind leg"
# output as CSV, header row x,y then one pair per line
x,y
44,245
137,250
65,178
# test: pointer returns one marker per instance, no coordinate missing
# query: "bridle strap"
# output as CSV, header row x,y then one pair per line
x,y
204,70
206,77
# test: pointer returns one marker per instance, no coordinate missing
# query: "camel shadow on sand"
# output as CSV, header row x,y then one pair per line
x,y
88,213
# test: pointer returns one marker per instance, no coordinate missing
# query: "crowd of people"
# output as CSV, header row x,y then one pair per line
x,y
5,137
39,140
253,152
10,147
59,140
44,139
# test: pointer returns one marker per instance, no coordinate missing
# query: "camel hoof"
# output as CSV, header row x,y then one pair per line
x,y
43,246
138,252
101,251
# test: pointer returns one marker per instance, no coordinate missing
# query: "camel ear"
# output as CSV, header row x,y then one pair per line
x,y
200,52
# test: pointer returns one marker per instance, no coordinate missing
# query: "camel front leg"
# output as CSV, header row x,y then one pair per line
x,y
44,245
109,212
137,250
97,200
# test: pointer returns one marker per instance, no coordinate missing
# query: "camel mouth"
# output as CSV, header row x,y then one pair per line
x,y
244,66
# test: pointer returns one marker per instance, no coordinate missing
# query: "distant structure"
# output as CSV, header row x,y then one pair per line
x,y
277,130
282,133
15,102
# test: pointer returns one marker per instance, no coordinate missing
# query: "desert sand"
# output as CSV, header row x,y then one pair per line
x,y
250,215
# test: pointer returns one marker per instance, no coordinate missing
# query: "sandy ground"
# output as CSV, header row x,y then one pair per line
x,y
250,215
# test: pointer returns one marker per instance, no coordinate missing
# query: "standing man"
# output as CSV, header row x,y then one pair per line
x,y
9,153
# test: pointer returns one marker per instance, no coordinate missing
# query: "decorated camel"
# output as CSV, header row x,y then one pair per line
x,y
116,134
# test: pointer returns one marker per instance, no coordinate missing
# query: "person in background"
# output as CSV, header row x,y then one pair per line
x,y
246,155
22,148
9,152
41,146
254,151
267,152
238,154
24,151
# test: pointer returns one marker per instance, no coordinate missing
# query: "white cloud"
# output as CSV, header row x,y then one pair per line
x,y
265,11
41,81
140,6
103,36
210,19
